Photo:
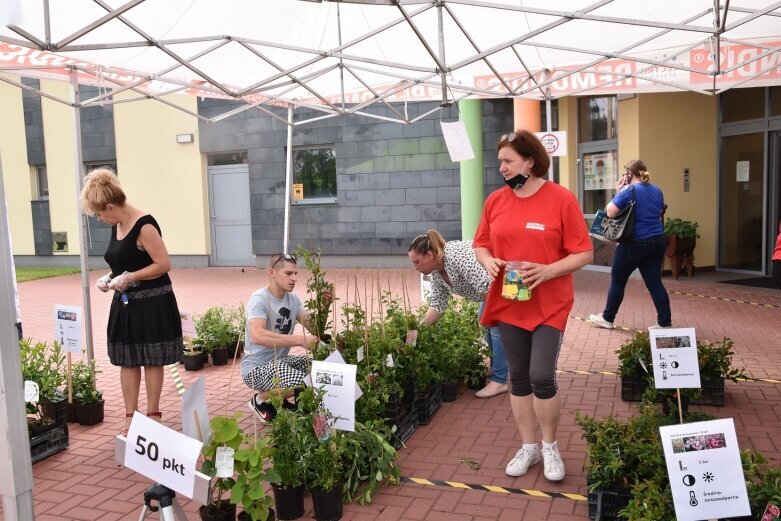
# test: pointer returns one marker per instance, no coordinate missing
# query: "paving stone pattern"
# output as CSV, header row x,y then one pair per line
x,y
84,483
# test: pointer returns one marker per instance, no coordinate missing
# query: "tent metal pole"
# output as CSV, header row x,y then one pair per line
x,y
288,176
441,36
16,482
549,127
78,168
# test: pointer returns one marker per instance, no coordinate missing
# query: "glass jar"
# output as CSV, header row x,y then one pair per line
x,y
513,286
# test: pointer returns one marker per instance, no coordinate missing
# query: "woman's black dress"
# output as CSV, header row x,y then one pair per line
x,y
144,326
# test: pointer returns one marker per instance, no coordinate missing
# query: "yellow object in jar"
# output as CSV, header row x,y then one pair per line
x,y
510,291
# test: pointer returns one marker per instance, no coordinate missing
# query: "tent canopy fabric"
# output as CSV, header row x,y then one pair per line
x,y
340,57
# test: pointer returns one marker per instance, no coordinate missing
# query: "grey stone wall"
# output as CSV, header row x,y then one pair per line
x,y
33,123
394,181
42,227
97,128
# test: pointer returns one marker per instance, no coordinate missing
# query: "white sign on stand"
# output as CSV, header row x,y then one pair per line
x,y
674,357
457,141
162,454
67,325
338,380
188,326
706,475
195,413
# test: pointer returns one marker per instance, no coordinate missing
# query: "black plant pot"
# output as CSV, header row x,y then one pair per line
x,y
476,386
450,392
243,516
220,356
222,511
193,362
327,503
289,502
90,414
71,408
56,409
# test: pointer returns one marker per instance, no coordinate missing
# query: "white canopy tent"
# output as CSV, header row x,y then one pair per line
x,y
340,57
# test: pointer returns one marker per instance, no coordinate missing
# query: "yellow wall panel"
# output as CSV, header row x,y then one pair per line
x,y
16,172
58,134
568,121
678,131
628,131
161,176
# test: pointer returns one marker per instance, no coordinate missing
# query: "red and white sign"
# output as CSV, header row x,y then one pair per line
x,y
554,142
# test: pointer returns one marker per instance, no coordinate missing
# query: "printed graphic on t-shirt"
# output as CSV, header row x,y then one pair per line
x,y
535,226
283,322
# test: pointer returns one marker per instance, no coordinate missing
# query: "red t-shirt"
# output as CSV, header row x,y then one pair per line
x,y
543,228
777,252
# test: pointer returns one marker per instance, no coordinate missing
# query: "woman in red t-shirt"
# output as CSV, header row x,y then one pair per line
x,y
777,259
540,223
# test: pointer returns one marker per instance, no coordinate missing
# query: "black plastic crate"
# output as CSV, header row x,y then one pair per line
x,y
56,410
405,426
632,389
428,405
48,443
712,393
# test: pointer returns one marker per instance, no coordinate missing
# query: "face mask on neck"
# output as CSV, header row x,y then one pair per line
x,y
518,180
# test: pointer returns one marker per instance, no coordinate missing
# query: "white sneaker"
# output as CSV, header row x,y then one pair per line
x,y
600,322
657,326
553,467
523,459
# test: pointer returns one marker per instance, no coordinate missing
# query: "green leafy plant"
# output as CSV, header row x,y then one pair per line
x,y
763,481
248,490
681,228
318,303
369,461
44,365
85,390
225,433
215,328
287,435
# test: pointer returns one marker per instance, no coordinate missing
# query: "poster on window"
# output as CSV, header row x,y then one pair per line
x,y
599,171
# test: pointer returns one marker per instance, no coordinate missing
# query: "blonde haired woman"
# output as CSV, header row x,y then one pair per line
x,y
144,326
454,269
645,251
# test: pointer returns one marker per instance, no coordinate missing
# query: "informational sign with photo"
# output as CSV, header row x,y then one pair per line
x,y
188,326
338,380
67,325
706,475
674,357
600,171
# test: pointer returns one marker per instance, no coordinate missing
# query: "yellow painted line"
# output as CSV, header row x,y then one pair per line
x,y
177,378
456,484
493,488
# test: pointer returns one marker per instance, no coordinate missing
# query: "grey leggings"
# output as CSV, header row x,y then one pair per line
x,y
532,357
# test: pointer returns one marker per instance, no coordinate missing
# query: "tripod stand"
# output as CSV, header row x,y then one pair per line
x,y
169,507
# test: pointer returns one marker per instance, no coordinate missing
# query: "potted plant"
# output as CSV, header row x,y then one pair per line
x,y
192,358
248,491
287,434
225,433
87,399
681,239
715,360
318,304
215,332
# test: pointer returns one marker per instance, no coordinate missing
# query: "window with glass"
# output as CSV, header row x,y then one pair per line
x,y
41,182
314,174
228,158
775,101
598,119
742,104
600,174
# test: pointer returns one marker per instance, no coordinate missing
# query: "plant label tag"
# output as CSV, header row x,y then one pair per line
x,y
412,337
772,512
31,391
67,322
224,460
360,354
674,358
389,361
642,364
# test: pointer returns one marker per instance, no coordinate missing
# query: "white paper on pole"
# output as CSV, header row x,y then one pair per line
x,y
32,393
67,326
555,143
194,404
162,454
674,358
457,141
706,475
338,380
188,326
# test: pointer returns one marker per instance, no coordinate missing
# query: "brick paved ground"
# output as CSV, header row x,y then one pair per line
x,y
84,483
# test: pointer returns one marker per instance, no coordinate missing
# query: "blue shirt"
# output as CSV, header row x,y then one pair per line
x,y
649,203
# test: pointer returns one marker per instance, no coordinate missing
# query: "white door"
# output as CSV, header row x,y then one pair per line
x,y
231,225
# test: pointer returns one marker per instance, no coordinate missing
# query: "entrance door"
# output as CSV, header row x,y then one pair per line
x,y
231,225
742,210
774,203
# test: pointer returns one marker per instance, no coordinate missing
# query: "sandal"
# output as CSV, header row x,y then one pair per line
x,y
156,414
123,431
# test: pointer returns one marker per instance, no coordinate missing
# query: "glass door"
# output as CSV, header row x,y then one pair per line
x,y
742,203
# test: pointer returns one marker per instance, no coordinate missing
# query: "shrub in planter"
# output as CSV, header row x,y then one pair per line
x,y
215,332
192,359
87,399
44,365
287,435
225,433
715,361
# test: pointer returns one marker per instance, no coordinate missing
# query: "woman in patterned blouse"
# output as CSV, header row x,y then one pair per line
x,y
454,269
